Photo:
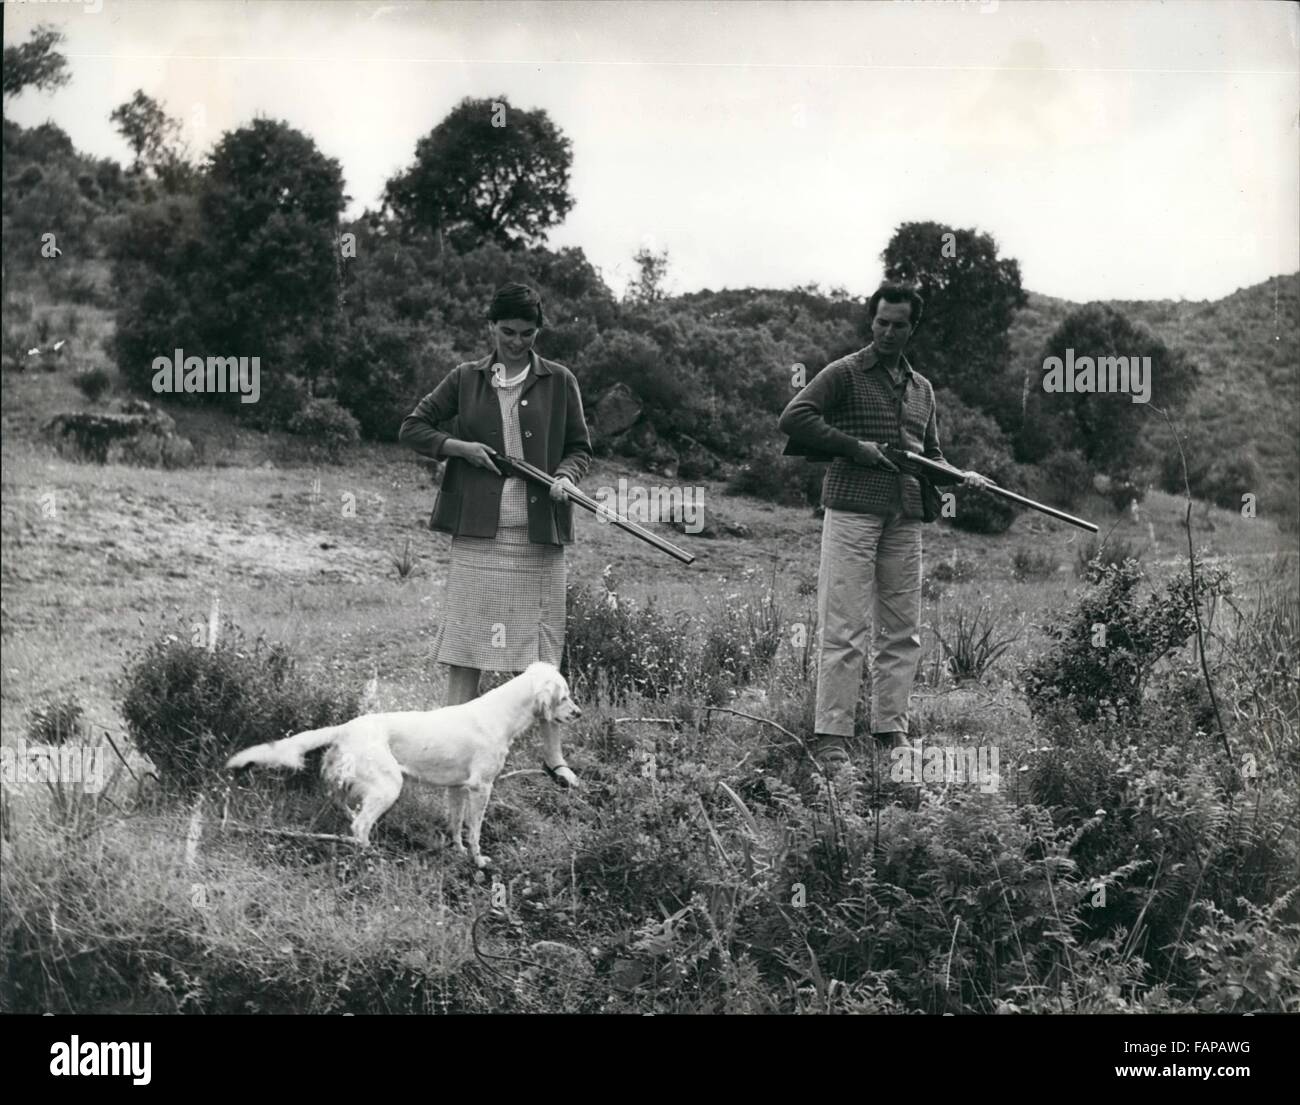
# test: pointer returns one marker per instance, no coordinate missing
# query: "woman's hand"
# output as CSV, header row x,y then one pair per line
x,y
974,479
561,487
475,452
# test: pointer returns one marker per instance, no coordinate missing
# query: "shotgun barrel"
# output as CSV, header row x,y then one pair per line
x,y
515,466
915,464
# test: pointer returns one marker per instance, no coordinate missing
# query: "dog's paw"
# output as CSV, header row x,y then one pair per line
x,y
482,862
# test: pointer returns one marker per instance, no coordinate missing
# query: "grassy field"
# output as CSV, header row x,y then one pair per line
x,y
648,889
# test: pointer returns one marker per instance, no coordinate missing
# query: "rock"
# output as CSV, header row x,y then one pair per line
x,y
707,524
561,957
94,432
696,460
616,410
663,461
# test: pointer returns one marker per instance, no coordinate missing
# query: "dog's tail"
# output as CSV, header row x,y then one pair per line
x,y
284,753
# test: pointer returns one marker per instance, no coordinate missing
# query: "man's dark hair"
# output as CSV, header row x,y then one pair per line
x,y
897,293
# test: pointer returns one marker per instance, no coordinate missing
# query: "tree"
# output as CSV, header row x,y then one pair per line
x,y
269,206
652,274
148,130
970,297
36,64
248,267
488,172
1112,431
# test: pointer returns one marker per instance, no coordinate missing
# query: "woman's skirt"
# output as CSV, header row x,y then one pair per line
x,y
504,604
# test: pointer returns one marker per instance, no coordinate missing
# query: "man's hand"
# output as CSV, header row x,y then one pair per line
x,y
561,487
870,455
475,452
974,479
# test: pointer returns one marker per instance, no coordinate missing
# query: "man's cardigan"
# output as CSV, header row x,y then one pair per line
x,y
855,399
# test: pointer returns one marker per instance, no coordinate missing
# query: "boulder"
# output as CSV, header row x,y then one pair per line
x,y
697,461
710,525
94,433
616,410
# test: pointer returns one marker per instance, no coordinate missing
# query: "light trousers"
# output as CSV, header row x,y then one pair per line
x,y
870,574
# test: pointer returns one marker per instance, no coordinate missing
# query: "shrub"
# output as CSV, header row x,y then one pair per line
x,y
330,427
1105,649
790,481
1090,558
972,440
1033,564
958,569
189,708
611,644
1212,473
980,512
1228,478
1122,494
1066,478
93,382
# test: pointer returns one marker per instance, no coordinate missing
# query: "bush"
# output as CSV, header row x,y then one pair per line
x,y
1122,494
1105,649
93,382
1091,558
1229,478
1033,564
957,569
614,646
1066,478
331,428
189,708
972,440
790,481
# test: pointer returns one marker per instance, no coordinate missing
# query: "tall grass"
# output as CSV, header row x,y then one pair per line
x,y
1119,870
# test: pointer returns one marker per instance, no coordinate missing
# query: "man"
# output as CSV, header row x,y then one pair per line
x,y
871,535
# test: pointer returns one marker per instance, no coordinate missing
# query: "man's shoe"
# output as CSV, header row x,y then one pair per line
x,y
830,752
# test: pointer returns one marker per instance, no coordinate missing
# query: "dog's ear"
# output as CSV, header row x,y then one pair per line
x,y
554,691
546,697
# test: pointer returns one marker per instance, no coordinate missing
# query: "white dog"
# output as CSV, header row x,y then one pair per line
x,y
461,747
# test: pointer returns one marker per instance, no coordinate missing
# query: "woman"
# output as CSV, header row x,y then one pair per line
x,y
505,598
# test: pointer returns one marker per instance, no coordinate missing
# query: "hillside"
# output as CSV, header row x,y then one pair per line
x,y
1247,347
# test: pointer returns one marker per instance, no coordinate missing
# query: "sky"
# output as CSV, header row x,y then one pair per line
x,y
1119,150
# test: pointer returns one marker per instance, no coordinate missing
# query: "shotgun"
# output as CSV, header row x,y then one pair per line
x,y
915,465
521,469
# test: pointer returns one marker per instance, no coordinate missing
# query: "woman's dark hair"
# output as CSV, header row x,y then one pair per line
x,y
896,293
517,301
